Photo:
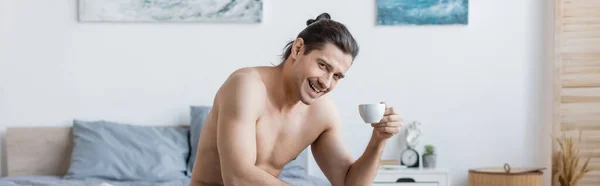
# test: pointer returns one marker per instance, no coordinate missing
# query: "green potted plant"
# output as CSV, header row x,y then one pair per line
x,y
429,157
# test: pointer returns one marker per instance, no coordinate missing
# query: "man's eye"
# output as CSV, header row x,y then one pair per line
x,y
321,65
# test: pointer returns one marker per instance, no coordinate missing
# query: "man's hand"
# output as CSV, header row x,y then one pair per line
x,y
389,125
335,160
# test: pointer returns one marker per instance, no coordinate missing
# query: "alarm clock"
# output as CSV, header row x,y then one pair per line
x,y
410,158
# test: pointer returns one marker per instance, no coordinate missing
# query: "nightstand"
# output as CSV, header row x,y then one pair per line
x,y
412,177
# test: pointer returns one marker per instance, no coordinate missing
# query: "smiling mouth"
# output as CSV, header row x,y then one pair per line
x,y
313,87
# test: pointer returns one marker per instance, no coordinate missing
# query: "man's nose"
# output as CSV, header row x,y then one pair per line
x,y
325,82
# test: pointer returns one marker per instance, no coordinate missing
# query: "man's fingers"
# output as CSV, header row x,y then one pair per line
x,y
386,105
390,111
377,124
387,124
382,124
391,118
389,130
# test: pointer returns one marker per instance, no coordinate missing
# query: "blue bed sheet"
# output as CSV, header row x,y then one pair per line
x,y
59,181
292,178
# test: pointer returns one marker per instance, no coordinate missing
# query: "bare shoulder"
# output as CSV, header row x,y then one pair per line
x,y
243,89
243,79
326,112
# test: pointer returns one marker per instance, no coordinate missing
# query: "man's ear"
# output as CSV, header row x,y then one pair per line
x,y
297,48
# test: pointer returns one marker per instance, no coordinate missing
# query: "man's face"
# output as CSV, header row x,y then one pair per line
x,y
318,72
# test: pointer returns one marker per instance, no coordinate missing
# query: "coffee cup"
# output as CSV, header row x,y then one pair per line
x,y
371,113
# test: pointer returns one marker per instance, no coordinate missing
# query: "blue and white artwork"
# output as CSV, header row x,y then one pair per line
x,y
422,12
241,11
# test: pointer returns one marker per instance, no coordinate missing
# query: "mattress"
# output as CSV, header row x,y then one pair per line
x,y
59,181
293,178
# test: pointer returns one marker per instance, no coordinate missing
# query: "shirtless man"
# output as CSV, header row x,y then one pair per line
x,y
263,117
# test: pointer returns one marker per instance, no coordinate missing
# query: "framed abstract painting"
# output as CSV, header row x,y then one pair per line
x,y
422,12
240,11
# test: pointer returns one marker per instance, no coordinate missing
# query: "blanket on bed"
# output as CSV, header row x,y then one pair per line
x,y
290,177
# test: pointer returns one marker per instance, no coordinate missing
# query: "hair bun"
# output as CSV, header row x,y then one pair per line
x,y
310,21
323,16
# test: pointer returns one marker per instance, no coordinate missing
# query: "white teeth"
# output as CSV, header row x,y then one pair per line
x,y
313,87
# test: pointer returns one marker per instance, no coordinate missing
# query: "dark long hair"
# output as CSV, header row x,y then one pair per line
x,y
324,30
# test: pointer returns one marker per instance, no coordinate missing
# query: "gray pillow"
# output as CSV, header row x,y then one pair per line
x,y
197,116
125,152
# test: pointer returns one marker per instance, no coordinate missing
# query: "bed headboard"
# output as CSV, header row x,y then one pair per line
x,y
41,150
38,150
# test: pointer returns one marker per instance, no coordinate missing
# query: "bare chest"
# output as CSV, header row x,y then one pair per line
x,y
279,139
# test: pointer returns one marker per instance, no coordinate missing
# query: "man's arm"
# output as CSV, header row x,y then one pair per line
x,y
363,171
241,103
336,162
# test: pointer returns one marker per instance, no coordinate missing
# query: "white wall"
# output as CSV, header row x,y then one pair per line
x,y
477,88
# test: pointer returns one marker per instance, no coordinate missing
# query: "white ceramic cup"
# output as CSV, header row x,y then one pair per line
x,y
371,113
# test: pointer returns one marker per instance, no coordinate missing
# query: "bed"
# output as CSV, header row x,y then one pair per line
x,y
41,156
